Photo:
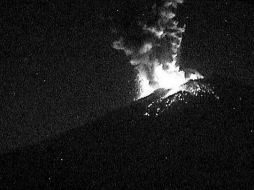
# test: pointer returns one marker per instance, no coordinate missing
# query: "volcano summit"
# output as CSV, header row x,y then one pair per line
x,y
201,140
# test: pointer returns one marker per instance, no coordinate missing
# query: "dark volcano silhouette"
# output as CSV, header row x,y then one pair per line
x,y
202,141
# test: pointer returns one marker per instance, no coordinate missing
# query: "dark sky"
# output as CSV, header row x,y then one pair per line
x,y
58,70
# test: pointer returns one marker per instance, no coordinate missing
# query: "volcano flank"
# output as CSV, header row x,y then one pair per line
x,y
187,140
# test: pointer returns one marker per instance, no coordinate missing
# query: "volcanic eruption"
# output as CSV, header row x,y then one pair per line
x,y
183,132
154,54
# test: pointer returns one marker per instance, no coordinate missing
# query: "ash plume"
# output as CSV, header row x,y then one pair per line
x,y
157,43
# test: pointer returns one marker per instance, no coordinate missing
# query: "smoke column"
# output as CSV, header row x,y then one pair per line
x,y
154,54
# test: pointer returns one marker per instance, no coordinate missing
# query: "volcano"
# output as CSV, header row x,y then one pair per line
x,y
201,137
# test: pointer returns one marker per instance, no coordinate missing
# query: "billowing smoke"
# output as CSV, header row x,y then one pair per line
x,y
154,54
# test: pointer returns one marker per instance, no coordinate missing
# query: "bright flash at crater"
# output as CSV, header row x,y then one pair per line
x,y
170,79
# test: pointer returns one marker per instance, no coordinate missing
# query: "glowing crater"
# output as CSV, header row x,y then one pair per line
x,y
162,103
170,79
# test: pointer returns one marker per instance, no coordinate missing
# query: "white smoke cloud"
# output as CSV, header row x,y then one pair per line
x,y
155,57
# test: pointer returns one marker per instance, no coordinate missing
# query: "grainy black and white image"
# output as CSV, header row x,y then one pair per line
x,y
124,94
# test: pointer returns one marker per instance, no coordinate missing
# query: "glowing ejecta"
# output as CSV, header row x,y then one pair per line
x,y
155,58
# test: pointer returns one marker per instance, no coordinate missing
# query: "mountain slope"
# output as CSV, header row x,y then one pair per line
x,y
202,141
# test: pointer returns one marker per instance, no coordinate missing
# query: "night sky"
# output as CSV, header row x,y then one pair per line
x,y
59,71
